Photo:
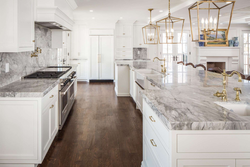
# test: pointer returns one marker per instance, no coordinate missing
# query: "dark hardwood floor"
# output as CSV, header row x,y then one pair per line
x,y
101,130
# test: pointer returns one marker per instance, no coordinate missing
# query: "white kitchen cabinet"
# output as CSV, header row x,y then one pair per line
x,y
28,127
49,125
206,163
82,69
138,37
122,81
124,41
101,58
139,98
124,29
242,162
17,25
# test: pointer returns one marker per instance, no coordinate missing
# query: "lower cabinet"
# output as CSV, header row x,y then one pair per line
x,y
28,127
163,147
49,125
82,69
139,97
206,163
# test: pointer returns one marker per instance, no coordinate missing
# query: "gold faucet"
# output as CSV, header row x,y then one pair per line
x,y
238,91
163,68
223,94
37,51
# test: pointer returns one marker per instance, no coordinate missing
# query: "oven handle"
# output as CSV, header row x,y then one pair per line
x,y
64,92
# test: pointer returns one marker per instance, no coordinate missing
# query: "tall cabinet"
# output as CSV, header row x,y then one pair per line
x,y
124,40
101,57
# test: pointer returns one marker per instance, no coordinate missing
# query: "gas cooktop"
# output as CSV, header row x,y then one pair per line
x,y
49,72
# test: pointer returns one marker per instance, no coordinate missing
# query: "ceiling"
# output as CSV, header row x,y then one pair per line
x,y
136,10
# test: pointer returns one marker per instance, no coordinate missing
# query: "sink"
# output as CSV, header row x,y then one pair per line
x,y
239,108
148,72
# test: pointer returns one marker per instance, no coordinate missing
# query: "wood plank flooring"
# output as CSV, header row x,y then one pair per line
x,y
101,131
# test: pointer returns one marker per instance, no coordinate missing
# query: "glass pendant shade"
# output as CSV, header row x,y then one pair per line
x,y
169,26
150,32
210,21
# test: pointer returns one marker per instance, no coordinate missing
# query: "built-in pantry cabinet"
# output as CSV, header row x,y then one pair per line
x,y
124,40
28,127
17,25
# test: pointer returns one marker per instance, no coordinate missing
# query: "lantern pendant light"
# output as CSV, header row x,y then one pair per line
x,y
150,32
170,25
208,16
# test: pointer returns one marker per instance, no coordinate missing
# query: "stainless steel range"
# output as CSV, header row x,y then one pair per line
x,y
66,97
66,88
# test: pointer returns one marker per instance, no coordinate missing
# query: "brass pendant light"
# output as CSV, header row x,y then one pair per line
x,y
170,25
150,32
205,17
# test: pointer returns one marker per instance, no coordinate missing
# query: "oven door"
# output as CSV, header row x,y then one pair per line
x,y
66,101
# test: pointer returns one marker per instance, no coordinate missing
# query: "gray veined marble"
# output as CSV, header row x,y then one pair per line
x,y
22,64
139,53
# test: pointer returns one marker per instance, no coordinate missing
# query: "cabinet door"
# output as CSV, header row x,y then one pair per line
x,y
26,24
106,56
53,119
131,83
243,163
94,50
45,130
82,69
138,38
148,157
127,30
139,98
206,163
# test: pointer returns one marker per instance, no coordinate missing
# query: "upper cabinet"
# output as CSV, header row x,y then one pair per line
x,y
17,25
124,40
138,37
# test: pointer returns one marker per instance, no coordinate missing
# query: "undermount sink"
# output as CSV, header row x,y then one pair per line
x,y
241,109
148,72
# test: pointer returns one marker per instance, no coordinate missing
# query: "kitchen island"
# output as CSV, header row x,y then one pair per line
x,y
184,124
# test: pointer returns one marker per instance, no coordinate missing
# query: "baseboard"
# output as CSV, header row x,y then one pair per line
x,y
82,80
98,81
123,94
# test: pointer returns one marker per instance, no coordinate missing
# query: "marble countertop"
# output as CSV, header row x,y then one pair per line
x,y
31,87
186,101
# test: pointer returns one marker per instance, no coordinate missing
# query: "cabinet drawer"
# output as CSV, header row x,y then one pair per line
x,y
157,125
152,86
207,163
156,146
148,156
49,97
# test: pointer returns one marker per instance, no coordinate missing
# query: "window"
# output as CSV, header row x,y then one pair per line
x,y
183,47
167,52
246,38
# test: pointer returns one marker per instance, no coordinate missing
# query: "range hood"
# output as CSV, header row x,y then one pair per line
x,y
53,18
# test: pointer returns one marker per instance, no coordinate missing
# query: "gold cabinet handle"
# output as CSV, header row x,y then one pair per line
x,y
153,142
151,118
51,96
124,46
140,44
34,41
152,84
52,106
123,33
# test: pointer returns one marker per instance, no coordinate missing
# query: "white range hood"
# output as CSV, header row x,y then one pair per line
x,y
55,14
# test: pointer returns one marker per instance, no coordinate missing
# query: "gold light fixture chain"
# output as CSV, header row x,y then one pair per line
x,y
169,7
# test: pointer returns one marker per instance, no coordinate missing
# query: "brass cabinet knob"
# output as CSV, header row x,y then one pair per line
x,y
52,106
51,96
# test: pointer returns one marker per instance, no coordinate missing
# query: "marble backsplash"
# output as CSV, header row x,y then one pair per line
x,y
139,53
21,64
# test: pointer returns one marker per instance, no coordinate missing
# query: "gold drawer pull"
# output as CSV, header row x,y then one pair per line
x,y
123,33
52,106
151,118
153,142
51,96
124,46
152,84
